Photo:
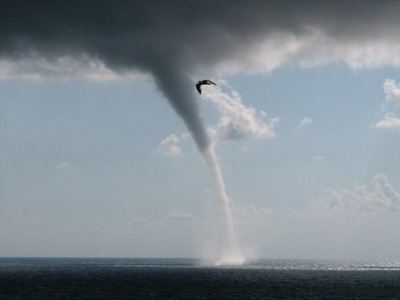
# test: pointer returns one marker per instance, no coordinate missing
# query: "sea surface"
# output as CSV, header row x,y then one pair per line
x,y
112,278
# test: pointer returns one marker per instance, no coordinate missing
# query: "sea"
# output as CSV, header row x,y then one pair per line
x,y
134,278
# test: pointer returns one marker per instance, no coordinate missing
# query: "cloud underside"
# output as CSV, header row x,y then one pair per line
x,y
126,38
263,56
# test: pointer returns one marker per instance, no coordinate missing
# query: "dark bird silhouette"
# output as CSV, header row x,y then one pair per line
x,y
201,82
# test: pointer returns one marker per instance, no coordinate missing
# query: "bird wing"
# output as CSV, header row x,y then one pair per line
x,y
198,87
209,81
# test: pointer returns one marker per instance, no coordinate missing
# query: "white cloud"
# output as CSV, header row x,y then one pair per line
x,y
390,121
260,210
181,216
392,92
318,157
169,146
174,217
185,136
305,122
380,196
236,120
141,221
250,211
63,165
392,97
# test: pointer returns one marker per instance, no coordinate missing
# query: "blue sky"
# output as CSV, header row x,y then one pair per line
x,y
81,162
95,162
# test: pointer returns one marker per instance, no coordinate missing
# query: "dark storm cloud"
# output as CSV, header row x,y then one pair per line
x,y
131,34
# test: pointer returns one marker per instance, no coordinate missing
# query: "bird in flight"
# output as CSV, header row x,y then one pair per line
x,y
201,82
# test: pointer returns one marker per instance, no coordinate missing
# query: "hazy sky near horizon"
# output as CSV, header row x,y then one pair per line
x,y
94,161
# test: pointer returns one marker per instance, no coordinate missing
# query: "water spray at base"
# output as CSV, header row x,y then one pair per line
x,y
231,254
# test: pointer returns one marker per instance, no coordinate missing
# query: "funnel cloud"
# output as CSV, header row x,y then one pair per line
x,y
178,90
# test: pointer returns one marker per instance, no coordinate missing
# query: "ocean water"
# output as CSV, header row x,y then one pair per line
x,y
111,278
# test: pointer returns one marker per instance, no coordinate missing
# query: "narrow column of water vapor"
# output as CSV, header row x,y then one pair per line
x,y
179,91
231,251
